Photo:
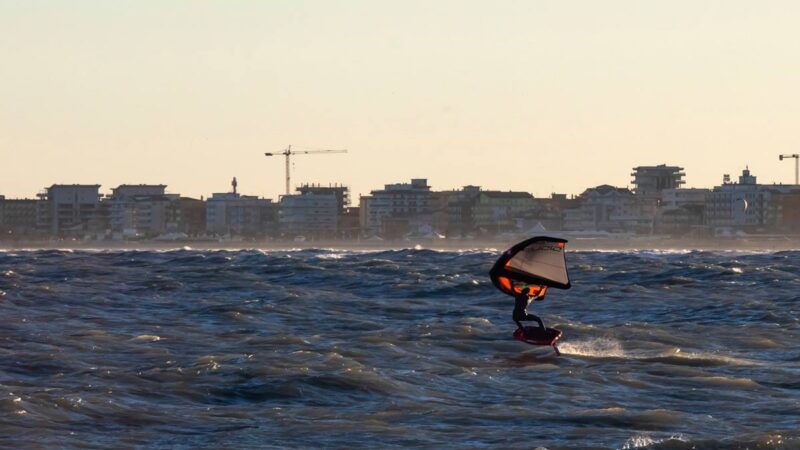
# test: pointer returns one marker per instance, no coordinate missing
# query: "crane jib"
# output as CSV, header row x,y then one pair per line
x,y
289,152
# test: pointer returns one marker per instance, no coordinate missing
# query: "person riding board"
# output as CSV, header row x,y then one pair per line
x,y
521,302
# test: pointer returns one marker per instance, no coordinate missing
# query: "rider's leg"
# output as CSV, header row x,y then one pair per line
x,y
536,318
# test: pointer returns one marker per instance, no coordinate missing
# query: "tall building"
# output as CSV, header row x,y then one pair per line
x,y
191,217
737,204
548,212
364,206
310,215
648,184
397,207
789,210
142,210
17,218
460,211
440,211
498,211
234,214
746,205
605,208
651,180
348,225
676,198
682,211
71,210
342,194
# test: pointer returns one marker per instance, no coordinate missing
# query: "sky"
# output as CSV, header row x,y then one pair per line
x,y
537,96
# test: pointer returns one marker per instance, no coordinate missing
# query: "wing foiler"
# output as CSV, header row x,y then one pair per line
x,y
536,264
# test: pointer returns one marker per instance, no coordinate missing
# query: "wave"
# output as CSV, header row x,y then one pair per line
x,y
598,348
286,343
768,441
647,441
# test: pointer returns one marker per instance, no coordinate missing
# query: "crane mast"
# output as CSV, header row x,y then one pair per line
x,y
796,165
289,152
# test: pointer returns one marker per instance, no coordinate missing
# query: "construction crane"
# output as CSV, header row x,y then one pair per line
x,y
796,165
289,152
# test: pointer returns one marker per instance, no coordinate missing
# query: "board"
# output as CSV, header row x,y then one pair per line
x,y
537,336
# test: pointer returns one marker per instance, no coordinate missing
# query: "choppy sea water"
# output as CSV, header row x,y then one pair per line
x,y
395,349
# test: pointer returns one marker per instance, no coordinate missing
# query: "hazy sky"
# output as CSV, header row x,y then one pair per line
x,y
540,96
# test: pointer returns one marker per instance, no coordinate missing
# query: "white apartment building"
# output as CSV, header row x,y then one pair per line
x,y
309,214
396,201
605,208
682,210
678,198
71,210
746,204
141,210
231,213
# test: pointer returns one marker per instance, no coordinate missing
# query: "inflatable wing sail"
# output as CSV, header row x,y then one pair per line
x,y
538,262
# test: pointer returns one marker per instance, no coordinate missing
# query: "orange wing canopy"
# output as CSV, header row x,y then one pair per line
x,y
536,263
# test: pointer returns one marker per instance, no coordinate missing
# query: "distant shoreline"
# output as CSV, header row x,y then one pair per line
x,y
579,244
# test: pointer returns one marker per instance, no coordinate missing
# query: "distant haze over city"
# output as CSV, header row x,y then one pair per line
x,y
531,96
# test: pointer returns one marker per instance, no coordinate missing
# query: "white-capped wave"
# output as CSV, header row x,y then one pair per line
x,y
598,347
147,338
642,441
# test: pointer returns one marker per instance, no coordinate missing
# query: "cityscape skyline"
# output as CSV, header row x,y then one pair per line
x,y
195,92
296,186
659,204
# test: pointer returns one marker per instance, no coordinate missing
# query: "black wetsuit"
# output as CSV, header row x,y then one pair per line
x,y
521,302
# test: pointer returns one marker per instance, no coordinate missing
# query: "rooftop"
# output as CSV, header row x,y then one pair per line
x,y
606,188
507,194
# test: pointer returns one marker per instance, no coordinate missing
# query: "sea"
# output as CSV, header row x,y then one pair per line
x,y
395,349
